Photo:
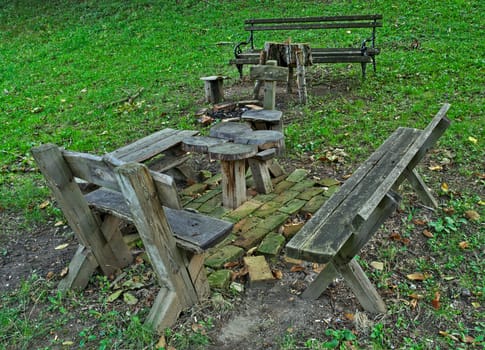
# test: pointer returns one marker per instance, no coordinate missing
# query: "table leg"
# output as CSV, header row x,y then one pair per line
x,y
233,183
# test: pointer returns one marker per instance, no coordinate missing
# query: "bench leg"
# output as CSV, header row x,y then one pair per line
x,y
362,287
261,176
240,70
364,67
421,189
323,280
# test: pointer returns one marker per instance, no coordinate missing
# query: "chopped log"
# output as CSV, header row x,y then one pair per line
x,y
264,119
232,151
229,130
285,53
300,75
200,144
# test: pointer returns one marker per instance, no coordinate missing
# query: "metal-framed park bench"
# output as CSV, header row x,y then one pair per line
x,y
344,224
174,239
363,54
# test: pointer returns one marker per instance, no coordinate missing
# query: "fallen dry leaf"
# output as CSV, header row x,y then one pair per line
x,y
49,275
464,245
416,296
44,204
297,268
444,187
417,276
428,233
231,264
472,215
468,339
317,268
435,168
278,274
59,223
436,301
448,335
475,304
62,246
64,272
349,316
472,140
162,342
413,303
449,211
377,265
419,222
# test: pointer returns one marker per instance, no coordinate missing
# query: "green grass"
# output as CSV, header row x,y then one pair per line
x,y
65,65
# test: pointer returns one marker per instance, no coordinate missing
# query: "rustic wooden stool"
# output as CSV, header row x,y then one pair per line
x,y
264,119
229,130
213,87
233,169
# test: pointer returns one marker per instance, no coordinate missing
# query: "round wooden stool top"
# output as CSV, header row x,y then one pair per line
x,y
264,139
232,151
264,115
200,144
229,130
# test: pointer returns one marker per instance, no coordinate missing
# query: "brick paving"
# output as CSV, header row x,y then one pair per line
x,y
264,223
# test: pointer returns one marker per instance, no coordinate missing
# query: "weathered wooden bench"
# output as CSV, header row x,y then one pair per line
x,y
363,54
174,239
342,226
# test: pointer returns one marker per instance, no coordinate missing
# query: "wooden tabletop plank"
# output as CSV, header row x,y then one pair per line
x,y
200,144
229,130
232,151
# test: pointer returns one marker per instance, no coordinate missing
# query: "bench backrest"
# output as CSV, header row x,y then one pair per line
x,y
329,22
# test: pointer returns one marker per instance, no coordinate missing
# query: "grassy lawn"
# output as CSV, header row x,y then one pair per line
x,y
69,67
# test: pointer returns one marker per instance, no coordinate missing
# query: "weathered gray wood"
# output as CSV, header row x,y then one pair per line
x,y
264,139
80,270
420,187
233,183
321,282
76,210
312,241
151,145
155,232
268,73
229,130
264,119
195,232
165,310
261,175
232,151
362,287
300,73
265,155
269,99
213,87
285,53
198,275
274,168
114,238
200,144
315,19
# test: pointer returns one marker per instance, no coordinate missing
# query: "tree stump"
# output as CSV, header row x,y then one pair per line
x,y
229,131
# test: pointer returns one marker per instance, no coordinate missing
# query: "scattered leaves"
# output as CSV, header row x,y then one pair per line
x,y
436,300
62,246
464,245
416,296
59,223
278,274
377,265
428,233
420,222
44,204
435,168
349,316
472,215
417,276
444,187
297,268
448,335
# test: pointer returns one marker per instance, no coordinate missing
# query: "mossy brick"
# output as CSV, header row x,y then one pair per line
x,y
219,212
283,186
297,175
278,179
205,175
263,198
303,185
286,196
219,279
314,204
267,209
331,191
273,222
195,189
207,195
293,206
246,224
329,182
244,210
310,193
224,255
211,204
251,238
258,270
272,244
186,200
226,241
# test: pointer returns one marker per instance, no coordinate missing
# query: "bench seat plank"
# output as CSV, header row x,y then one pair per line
x,y
192,231
331,226
151,145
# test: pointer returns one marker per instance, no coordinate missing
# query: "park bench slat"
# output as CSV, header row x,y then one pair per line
x,y
193,231
313,19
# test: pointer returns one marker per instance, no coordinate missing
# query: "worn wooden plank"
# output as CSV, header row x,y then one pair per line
x,y
151,145
75,208
409,159
114,238
80,270
313,241
165,310
269,98
233,183
268,73
420,187
313,19
198,275
261,175
336,25
264,139
192,231
232,151
152,225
